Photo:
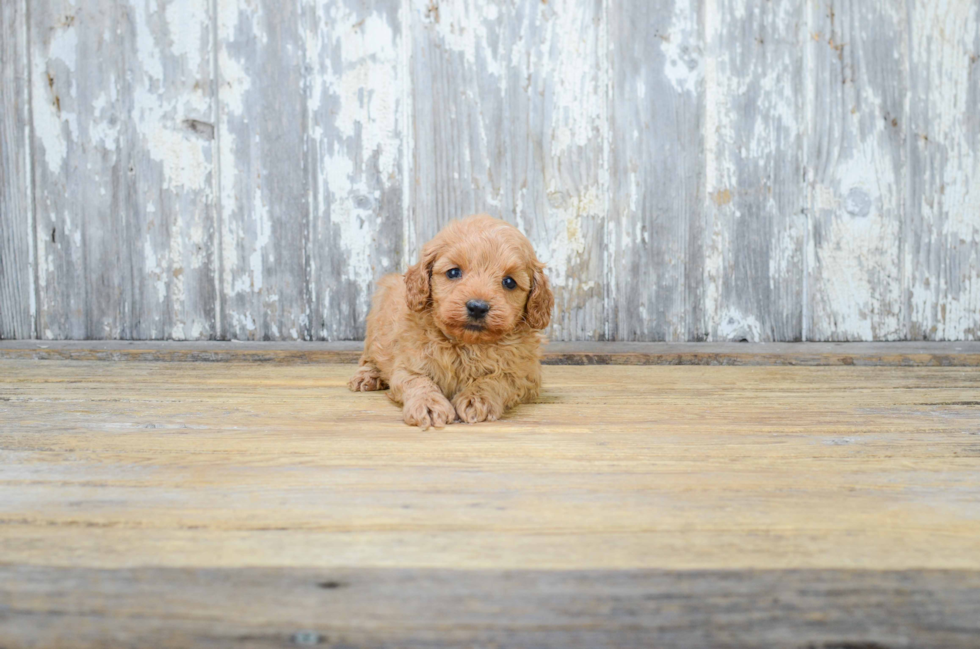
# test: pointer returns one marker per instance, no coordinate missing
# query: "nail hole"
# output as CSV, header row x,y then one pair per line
x,y
331,585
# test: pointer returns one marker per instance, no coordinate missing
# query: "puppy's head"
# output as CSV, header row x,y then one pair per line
x,y
480,279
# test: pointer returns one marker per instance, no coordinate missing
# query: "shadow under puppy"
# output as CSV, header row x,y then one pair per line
x,y
457,337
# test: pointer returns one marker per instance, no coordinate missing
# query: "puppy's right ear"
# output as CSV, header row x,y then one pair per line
x,y
417,281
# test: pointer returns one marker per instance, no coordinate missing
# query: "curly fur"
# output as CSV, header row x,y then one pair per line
x,y
422,344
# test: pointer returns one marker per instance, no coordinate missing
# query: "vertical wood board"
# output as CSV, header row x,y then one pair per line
x,y
656,110
755,221
17,299
357,96
263,140
856,167
943,212
121,106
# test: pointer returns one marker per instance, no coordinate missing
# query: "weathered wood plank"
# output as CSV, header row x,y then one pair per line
x,y
651,150
943,218
121,103
509,114
655,258
349,607
17,297
856,168
755,220
357,93
114,465
266,170
918,354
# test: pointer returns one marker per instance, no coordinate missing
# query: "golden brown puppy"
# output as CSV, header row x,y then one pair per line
x,y
457,337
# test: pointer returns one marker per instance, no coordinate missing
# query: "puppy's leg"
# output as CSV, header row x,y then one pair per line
x,y
367,379
423,404
487,399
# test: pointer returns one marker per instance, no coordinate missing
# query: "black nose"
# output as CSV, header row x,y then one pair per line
x,y
477,309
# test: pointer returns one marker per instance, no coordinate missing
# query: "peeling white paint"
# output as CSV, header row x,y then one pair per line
x,y
366,85
681,48
733,326
188,24
858,258
543,67
50,117
945,287
568,244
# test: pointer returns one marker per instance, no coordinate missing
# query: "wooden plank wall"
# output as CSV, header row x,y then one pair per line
x,y
17,297
690,170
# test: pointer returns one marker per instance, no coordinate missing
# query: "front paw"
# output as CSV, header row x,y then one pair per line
x,y
367,379
431,409
473,408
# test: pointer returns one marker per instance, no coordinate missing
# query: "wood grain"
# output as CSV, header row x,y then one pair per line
x,y
225,465
350,607
656,258
266,170
690,170
178,504
357,95
17,299
509,118
755,221
122,114
943,214
856,167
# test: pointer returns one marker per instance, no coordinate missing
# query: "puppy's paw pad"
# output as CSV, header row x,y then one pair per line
x,y
473,408
429,410
367,379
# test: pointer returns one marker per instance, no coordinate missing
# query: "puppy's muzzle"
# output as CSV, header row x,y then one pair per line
x,y
477,309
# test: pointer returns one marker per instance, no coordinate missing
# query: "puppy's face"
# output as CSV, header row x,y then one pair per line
x,y
480,280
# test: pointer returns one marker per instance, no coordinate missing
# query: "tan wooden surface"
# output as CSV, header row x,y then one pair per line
x,y
116,479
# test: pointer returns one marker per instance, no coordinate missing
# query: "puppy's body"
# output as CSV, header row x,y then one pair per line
x,y
441,362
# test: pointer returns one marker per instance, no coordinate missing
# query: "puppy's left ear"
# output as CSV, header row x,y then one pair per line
x,y
540,300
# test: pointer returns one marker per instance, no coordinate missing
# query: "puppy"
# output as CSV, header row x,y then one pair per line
x,y
457,337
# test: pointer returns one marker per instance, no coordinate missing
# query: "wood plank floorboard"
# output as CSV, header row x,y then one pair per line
x,y
249,504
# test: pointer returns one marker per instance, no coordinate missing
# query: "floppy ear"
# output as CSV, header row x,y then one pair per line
x,y
540,300
417,279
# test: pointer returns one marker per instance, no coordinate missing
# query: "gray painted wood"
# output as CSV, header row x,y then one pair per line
x,y
856,166
358,94
689,169
657,170
376,607
17,305
509,109
266,170
943,210
121,105
755,220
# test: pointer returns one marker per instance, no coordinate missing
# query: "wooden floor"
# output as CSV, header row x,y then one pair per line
x,y
233,504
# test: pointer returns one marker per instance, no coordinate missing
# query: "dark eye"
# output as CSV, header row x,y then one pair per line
x,y
509,283
454,273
